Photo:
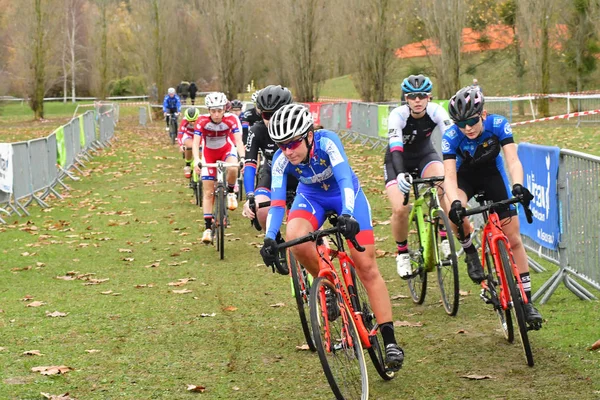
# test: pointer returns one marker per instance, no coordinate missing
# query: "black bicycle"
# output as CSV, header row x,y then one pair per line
x,y
173,124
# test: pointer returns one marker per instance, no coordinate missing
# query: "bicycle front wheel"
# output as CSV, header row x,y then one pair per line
x,y
173,129
337,343
363,307
418,284
301,282
447,267
197,186
219,217
494,288
517,302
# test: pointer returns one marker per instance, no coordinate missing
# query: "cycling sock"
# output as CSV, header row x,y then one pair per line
x,y
443,233
230,188
387,332
208,221
467,244
526,281
402,247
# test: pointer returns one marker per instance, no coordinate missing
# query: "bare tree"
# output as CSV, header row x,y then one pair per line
x,y
373,22
444,22
507,11
534,20
38,62
68,60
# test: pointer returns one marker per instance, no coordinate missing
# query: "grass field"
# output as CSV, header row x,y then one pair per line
x,y
127,334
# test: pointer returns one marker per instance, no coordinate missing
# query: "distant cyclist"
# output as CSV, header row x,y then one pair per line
x,y
327,183
269,100
410,149
250,117
221,140
171,105
185,137
473,163
236,108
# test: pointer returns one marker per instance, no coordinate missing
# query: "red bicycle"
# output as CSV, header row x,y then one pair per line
x,y
502,287
341,318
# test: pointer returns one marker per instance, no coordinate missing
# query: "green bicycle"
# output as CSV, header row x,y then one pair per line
x,y
427,222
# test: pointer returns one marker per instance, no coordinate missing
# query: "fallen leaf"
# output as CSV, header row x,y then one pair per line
x,y
203,315
235,388
144,285
56,314
380,253
32,353
2,348
407,323
181,282
196,388
277,305
40,264
477,377
27,298
125,251
595,346
461,331
303,347
53,370
153,265
36,304
92,351
399,296
182,291
229,308
128,259
64,396
463,293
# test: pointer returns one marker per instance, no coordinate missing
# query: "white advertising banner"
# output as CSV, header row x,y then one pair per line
x,y
6,167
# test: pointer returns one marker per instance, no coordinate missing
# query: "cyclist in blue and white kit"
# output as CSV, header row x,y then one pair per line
x,y
171,105
472,162
327,183
410,149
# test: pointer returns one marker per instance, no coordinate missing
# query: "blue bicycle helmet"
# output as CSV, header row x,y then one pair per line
x,y
416,84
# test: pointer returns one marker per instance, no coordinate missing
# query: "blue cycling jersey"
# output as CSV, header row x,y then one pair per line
x,y
327,174
482,154
171,103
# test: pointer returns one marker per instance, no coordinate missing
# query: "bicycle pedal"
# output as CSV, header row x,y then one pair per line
x,y
485,297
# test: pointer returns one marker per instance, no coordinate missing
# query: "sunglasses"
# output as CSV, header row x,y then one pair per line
x,y
415,96
471,121
267,115
293,145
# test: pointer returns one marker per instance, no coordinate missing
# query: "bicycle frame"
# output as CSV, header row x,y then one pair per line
x,y
426,233
493,232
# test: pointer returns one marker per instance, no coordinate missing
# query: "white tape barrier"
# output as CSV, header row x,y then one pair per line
x,y
563,116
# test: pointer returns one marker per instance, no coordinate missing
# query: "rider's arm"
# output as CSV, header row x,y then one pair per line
x,y
182,128
509,147
238,137
165,104
197,141
440,116
178,102
449,155
278,193
251,161
341,170
397,122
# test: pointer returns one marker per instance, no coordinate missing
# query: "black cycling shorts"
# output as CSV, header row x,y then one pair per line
x,y
412,163
493,185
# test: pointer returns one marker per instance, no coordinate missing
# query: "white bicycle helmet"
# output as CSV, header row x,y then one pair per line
x,y
171,90
254,96
289,122
215,100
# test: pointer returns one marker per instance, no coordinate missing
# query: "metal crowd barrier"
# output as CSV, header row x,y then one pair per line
x,y
39,165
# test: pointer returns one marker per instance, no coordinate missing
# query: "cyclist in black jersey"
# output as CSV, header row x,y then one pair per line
x,y
269,100
411,150
250,117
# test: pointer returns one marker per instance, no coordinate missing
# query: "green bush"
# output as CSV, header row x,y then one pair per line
x,y
127,86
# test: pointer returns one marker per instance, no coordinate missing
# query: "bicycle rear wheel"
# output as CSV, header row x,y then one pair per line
x,y
494,288
363,307
197,187
517,302
418,284
447,269
301,283
219,221
173,129
338,345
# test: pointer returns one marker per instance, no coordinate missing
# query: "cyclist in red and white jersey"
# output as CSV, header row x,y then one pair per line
x,y
185,137
221,137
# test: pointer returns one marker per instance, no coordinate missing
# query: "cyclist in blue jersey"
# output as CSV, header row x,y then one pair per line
x,y
171,105
472,162
410,149
327,183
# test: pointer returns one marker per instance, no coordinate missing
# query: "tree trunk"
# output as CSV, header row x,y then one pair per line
x,y
544,106
158,49
72,46
103,50
37,97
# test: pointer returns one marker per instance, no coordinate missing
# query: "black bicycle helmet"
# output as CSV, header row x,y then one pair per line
x,y
417,84
236,104
273,97
466,103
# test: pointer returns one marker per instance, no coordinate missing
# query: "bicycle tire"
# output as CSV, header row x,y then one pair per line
x,y
222,222
493,283
517,302
199,194
173,129
369,321
301,285
418,284
240,182
343,365
447,270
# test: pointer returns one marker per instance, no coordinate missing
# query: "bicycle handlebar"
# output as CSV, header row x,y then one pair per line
x,y
314,236
427,181
218,164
